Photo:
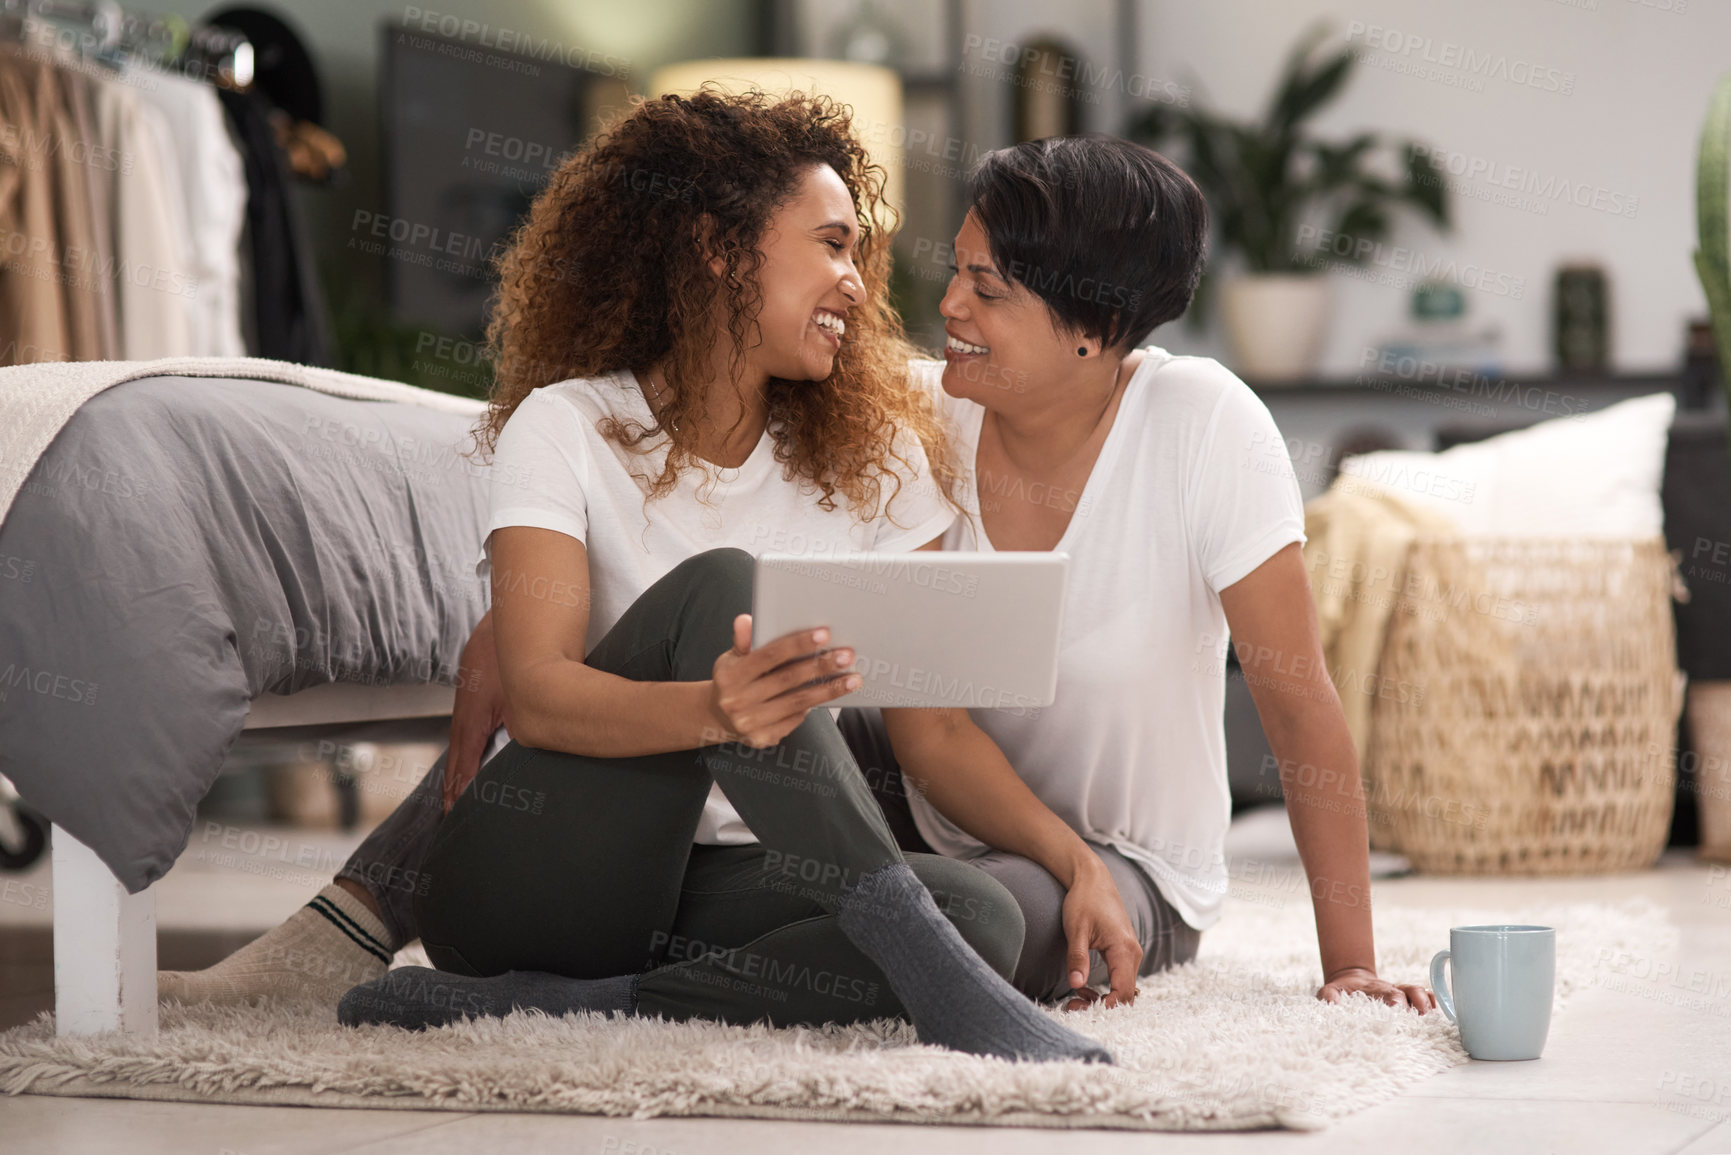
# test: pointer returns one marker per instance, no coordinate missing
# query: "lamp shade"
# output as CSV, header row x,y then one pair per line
x,y
872,91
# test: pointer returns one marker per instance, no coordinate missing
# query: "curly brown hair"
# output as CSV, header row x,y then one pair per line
x,y
604,274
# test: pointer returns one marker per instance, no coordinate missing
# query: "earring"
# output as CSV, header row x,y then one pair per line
x,y
1081,350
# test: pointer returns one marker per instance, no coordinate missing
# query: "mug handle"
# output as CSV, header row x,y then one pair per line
x,y
1439,984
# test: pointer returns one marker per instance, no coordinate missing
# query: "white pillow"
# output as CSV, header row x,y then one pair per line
x,y
1591,475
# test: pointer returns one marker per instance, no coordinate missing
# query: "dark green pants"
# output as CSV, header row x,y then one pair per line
x,y
586,867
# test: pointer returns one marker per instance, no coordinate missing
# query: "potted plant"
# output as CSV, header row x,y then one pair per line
x,y
1709,694
1292,206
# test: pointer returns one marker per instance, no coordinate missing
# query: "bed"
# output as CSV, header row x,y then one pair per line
x,y
190,549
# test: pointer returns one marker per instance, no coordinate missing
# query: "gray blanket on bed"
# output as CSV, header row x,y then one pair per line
x,y
187,544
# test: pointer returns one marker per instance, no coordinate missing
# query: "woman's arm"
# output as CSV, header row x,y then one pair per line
x,y
959,769
962,773
1273,624
556,702
478,709
970,781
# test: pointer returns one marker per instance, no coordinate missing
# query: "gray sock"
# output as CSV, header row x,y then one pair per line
x,y
953,997
416,998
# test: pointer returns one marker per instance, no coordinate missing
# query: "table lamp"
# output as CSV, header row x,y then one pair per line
x,y
872,91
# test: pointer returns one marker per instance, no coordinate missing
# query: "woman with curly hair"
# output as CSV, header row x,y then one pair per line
x,y
694,354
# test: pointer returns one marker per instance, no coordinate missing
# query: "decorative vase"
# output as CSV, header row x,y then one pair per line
x,y
1048,101
1276,323
1710,734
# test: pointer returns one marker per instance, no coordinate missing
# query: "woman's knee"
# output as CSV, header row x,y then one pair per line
x,y
677,627
698,600
1176,945
725,568
978,905
1039,899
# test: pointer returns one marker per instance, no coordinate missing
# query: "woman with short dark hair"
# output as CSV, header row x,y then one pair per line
x,y
1165,480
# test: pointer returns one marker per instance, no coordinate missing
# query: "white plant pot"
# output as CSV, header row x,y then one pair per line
x,y
1276,323
1710,734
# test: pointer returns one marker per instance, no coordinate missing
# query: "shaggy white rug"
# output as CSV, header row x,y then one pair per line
x,y
1233,1041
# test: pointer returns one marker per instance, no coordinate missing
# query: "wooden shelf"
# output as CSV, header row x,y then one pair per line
x,y
1486,388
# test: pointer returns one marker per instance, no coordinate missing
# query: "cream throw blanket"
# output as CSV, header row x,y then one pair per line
x,y
37,400
1358,537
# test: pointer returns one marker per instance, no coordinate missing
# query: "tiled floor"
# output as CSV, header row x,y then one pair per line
x,y
1644,1066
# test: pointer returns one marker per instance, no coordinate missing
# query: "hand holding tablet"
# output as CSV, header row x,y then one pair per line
x,y
760,694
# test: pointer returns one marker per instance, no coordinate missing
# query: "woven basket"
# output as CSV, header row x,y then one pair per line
x,y
1535,729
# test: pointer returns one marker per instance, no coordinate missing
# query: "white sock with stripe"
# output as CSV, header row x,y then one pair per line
x,y
326,947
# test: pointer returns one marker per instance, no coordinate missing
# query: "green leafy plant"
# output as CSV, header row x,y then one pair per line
x,y
1265,179
1713,236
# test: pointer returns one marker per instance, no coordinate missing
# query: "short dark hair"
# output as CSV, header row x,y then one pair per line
x,y
1111,235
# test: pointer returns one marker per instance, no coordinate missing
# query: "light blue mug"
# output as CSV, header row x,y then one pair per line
x,y
1504,978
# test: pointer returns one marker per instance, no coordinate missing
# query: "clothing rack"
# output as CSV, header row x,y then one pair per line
x,y
156,203
109,32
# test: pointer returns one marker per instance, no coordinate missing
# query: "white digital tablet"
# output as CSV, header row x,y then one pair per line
x,y
927,628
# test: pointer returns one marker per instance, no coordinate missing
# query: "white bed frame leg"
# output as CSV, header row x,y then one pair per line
x,y
104,946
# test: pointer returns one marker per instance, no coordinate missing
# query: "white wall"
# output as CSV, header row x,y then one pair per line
x,y
1642,73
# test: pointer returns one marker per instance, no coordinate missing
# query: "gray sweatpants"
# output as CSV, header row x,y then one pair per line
x,y
389,864
1166,939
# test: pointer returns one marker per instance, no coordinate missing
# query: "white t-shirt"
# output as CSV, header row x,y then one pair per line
x,y
552,469
1192,490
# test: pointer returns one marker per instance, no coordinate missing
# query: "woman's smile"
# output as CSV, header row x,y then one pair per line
x,y
831,325
956,349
